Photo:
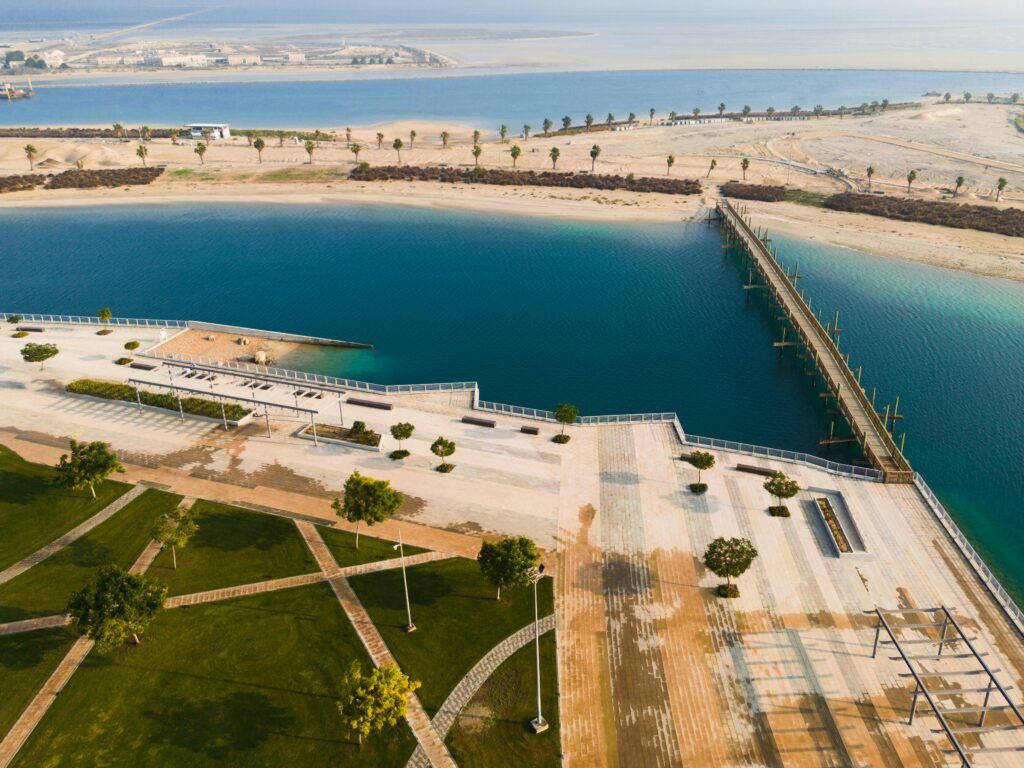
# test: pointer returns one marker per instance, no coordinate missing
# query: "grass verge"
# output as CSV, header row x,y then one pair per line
x,y
493,730
197,406
456,616
343,547
45,588
34,512
234,546
803,197
26,661
245,682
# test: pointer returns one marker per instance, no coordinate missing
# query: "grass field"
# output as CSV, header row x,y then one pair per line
x,y
34,512
26,661
246,682
493,730
343,546
457,619
45,588
803,197
234,546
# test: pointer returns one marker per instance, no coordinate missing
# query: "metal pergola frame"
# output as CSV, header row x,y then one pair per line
x,y
177,390
946,621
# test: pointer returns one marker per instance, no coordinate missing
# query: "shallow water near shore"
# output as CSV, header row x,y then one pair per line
x,y
615,318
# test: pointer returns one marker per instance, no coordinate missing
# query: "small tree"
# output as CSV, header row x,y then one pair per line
x,y
503,132
711,166
729,559
142,151
631,119
175,530
547,125
781,487
526,131
588,121
348,137
701,460
566,123
911,178
380,140
476,137
87,465
412,138
1000,186
554,154
744,164
310,148
696,112
445,136
367,501
38,353
401,431
870,172
595,152
507,562
116,606
669,162
200,150
259,145
397,145
609,119
355,149
30,154
959,183
369,702
131,346
565,414
721,108
477,151
515,152
104,315
651,113
443,448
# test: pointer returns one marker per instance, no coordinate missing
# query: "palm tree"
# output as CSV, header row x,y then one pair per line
x,y
30,153
746,110
476,137
444,139
673,115
477,151
207,135
669,162
870,172
554,154
118,130
651,113
696,111
770,111
744,164
959,183
1000,186
515,152
526,132
609,120
547,125
841,111
947,96
380,140
141,152
259,145
145,132
631,119
503,132
412,138
310,148
397,145
317,135
818,110
885,104
1014,98
200,150
711,167
795,110
991,97
566,123
595,152
356,148
280,138
911,178
721,109
348,138
967,96
589,121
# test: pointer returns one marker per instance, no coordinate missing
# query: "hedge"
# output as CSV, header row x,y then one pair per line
x,y
986,218
196,406
763,192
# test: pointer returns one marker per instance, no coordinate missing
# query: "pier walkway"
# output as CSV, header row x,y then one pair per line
x,y
851,401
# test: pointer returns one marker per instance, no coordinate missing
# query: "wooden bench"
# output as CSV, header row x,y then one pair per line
x,y
529,430
765,471
29,329
379,404
143,366
478,422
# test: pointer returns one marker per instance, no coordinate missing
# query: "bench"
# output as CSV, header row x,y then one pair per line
x,y
371,403
143,366
529,430
765,471
29,329
478,422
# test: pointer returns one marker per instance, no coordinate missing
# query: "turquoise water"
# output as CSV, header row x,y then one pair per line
x,y
615,318
483,101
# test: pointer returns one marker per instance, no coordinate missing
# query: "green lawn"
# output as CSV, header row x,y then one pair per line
x,y
246,682
803,197
456,616
234,546
34,512
493,730
26,661
46,587
343,546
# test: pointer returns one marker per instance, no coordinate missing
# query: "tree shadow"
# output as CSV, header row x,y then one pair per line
x,y
84,553
20,488
217,728
236,531
28,649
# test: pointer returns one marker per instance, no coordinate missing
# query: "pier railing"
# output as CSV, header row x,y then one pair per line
x,y
999,593
796,457
131,322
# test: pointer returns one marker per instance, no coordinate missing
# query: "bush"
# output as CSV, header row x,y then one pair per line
x,y
123,360
197,406
104,332
699,487
727,590
358,427
20,334
985,218
15,319
108,178
782,511
397,455
560,439
763,192
363,436
445,468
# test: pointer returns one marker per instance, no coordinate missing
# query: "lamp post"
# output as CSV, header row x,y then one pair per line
x,y
539,724
410,627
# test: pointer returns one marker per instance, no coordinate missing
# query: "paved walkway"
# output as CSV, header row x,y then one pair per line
x,y
242,590
31,625
73,535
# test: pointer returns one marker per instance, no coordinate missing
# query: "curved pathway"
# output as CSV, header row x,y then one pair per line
x,y
476,677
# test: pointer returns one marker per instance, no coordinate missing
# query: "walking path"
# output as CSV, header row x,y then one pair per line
x,y
242,590
73,535
31,625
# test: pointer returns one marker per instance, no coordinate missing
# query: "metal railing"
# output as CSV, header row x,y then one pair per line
x,y
999,593
848,470
92,320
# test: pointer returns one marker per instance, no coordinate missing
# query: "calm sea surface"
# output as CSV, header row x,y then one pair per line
x,y
486,101
615,318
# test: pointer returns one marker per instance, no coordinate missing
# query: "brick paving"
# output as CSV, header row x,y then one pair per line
x,y
73,535
243,590
31,625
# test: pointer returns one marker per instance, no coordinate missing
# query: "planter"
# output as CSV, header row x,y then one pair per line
x,y
835,528
324,434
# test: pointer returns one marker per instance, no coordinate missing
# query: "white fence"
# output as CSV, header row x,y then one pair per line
x,y
977,562
796,457
91,320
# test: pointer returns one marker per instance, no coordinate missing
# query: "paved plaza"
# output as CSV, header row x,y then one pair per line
x,y
654,670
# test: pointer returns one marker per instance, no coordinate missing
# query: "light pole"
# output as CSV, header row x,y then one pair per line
x,y
539,724
410,627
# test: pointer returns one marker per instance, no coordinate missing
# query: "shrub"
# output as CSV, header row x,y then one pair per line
x,y
560,439
397,455
763,192
699,487
104,332
727,590
108,178
779,511
20,334
123,360
446,468
197,406
358,427
1003,221
15,319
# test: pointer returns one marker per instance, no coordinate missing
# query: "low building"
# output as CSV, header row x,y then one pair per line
x,y
243,60
177,60
109,61
296,58
216,130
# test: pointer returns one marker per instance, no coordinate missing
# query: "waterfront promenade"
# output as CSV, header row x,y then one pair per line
x,y
654,670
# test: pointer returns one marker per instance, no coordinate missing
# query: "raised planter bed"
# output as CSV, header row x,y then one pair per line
x,y
332,433
835,528
193,406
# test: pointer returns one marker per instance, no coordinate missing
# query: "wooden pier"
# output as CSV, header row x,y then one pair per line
x,y
817,346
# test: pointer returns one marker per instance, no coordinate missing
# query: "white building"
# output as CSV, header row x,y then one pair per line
x,y
296,58
243,59
216,130
177,60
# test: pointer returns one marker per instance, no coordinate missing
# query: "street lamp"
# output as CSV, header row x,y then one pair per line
x,y
539,724
410,627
